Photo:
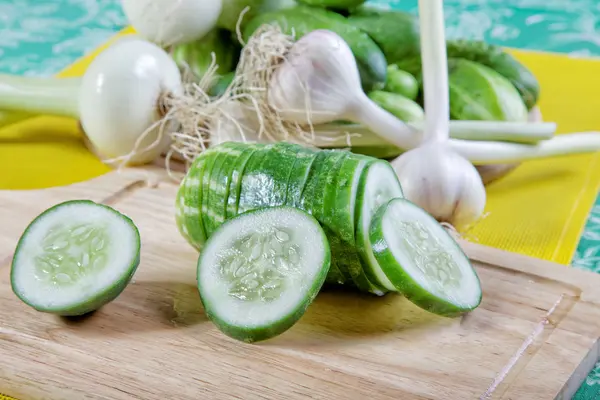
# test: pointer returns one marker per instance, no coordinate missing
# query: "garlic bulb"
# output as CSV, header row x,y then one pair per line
x,y
442,183
319,82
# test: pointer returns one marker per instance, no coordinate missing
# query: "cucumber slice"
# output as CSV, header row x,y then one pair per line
x,y
219,180
378,184
235,186
260,270
276,170
74,258
346,192
188,205
209,160
422,260
299,177
307,198
253,182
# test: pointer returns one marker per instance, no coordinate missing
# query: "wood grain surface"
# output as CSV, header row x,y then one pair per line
x,y
535,335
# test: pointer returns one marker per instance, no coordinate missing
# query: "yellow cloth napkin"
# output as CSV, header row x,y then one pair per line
x,y
539,210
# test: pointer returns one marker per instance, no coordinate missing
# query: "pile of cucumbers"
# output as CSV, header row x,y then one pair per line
x,y
386,45
273,223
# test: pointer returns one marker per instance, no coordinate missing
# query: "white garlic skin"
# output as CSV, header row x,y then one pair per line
x,y
443,183
318,82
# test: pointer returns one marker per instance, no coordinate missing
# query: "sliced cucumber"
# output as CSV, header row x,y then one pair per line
x,y
378,184
209,160
260,270
299,177
277,168
254,182
307,197
74,258
188,205
422,260
219,181
236,181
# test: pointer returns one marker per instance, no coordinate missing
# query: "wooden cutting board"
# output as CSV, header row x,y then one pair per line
x,y
535,336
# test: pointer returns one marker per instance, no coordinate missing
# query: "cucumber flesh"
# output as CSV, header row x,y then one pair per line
x,y
422,260
378,184
74,258
260,270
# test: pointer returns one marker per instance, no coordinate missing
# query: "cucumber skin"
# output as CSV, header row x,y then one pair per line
x,y
257,334
401,82
333,4
371,61
478,92
396,33
401,107
402,281
101,299
236,182
336,273
491,56
364,259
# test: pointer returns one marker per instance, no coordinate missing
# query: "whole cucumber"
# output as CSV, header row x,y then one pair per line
x,y
500,61
478,92
401,107
396,32
333,4
197,55
491,56
370,60
401,82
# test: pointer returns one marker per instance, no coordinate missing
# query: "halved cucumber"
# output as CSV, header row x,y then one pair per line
x,y
422,260
74,258
260,270
378,184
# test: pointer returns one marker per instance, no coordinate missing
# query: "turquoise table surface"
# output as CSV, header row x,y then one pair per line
x,y
40,37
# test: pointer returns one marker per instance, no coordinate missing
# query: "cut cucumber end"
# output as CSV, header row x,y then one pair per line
x,y
260,270
422,260
378,184
74,258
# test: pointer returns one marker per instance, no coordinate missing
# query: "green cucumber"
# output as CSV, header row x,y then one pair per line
x,y
333,4
74,258
253,180
188,209
401,82
260,271
279,166
401,107
371,61
322,184
299,177
478,92
197,55
422,260
216,210
236,180
220,181
209,159
395,32
378,184
308,199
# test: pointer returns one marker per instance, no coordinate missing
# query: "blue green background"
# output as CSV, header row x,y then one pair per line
x,y
41,37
